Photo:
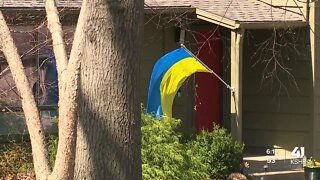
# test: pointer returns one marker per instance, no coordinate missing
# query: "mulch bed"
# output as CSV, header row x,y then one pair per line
x,y
20,176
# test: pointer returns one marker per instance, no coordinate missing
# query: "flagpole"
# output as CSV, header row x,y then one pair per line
x,y
210,70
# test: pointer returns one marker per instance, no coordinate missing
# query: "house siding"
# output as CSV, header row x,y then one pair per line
x,y
315,45
271,118
274,117
158,40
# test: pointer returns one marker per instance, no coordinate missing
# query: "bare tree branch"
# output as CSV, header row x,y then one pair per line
x,y
59,49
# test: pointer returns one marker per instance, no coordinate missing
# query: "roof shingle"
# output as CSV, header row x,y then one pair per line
x,y
237,10
38,3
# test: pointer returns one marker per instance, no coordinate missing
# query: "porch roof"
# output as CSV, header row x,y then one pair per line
x,y
235,13
228,13
237,10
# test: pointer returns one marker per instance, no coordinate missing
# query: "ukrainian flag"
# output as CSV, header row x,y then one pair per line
x,y
168,74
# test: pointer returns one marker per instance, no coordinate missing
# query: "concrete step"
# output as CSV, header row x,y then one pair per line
x,y
262,164
278,175
264,167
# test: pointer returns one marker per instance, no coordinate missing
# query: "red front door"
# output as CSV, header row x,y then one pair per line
x,y
208,87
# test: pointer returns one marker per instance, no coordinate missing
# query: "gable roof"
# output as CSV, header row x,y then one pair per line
x,y
228,13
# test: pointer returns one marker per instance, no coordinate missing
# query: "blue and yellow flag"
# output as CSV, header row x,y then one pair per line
x,y
168,74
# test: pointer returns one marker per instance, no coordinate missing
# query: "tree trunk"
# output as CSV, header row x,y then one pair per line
x,y
108,135
68,80
38,143
68,88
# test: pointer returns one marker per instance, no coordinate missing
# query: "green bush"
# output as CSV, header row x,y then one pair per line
x,y
165,153
163,156
52,148
217,150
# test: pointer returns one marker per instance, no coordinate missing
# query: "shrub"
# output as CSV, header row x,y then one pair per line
x,y
163,156
312,163
52,148
217,150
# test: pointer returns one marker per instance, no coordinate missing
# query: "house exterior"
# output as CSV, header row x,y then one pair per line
x,y
266,50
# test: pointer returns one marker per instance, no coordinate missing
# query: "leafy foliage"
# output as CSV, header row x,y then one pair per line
x,y
52,148
312,163
165,153
163,156
217,150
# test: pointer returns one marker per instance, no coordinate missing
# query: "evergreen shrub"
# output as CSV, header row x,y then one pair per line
x,y
163,156
217,150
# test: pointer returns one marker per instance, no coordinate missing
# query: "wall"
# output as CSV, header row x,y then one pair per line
x,y
315,45
32,43
160,39
277,113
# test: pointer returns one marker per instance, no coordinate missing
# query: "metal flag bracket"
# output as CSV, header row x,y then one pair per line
x,y
232,89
